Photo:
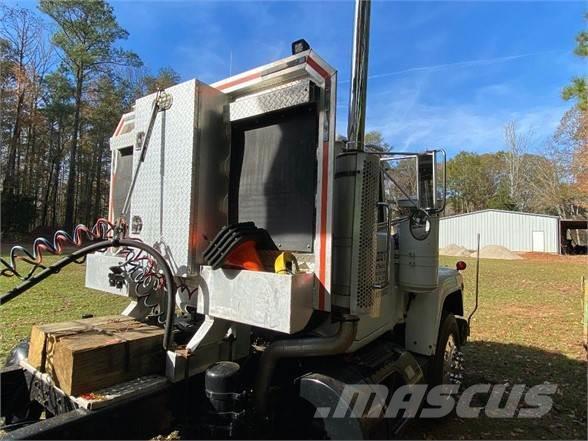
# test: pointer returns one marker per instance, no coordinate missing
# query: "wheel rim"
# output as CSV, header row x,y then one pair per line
x,y
452,362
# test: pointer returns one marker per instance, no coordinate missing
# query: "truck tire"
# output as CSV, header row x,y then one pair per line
x,y
447,363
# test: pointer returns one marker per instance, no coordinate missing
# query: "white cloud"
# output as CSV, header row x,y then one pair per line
x,y
455,110
457,64
460,127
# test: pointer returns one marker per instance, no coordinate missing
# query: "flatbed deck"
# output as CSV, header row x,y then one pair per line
x,y
135,409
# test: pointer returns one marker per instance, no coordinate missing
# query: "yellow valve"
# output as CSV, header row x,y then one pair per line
x,y
285,263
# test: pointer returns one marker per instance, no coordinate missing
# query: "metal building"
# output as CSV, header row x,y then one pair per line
x,y
514,230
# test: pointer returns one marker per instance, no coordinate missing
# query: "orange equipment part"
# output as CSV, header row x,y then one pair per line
x,y
245,256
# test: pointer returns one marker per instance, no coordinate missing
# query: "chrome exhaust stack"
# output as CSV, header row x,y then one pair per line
x,y
359,76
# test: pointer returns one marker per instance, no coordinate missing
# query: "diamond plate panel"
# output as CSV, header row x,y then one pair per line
x,y
281,97
166,191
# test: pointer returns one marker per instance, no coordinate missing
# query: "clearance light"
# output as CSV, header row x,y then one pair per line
x,y
460,265
300,46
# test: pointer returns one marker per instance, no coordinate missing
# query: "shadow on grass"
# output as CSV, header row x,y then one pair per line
x,y
497,363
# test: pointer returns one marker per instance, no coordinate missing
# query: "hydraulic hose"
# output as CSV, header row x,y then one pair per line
x,y
301,347
57,266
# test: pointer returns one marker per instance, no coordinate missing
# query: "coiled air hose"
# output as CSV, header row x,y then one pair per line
x,y
141,270
170,285
101,231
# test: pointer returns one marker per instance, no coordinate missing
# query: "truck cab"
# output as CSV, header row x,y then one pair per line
x,y
359,228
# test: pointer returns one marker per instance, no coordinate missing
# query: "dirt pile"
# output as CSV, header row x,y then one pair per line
x,y
487,252
454,250
496,252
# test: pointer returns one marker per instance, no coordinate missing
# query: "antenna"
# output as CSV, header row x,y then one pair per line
x,y
477,283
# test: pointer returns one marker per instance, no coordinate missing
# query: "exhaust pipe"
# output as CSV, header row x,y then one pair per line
x,y
359,74
300,348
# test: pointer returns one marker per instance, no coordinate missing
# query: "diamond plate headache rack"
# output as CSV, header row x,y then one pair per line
x,y
277,98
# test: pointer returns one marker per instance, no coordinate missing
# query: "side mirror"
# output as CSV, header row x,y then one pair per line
x,y
431,181
420,224
417,180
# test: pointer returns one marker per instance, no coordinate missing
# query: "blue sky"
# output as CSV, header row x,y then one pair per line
x,y
447,74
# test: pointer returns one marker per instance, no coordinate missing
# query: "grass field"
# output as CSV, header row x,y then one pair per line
x,y
60,297
528,330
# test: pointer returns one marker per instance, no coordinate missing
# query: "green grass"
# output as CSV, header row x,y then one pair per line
x,y
527,330
60,297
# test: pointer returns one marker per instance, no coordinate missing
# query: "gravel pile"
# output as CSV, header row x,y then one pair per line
x,y
454,250
496,252
487,252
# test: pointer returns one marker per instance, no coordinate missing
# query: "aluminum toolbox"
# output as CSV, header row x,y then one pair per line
x,y
280,302
179,200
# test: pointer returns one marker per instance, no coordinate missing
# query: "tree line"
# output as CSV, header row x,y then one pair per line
x,y
64,84
553,182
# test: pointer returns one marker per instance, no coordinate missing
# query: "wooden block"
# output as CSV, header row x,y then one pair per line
x,y
38,344
145,349
83,356
88,361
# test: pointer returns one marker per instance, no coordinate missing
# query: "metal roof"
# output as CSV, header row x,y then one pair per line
x,y
500,211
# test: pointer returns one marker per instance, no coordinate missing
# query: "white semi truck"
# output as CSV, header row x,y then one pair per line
x,y
285,264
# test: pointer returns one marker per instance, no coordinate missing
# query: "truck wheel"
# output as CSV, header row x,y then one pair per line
x,y
447,363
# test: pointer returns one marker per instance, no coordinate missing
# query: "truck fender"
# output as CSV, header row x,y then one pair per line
x,y
425,313
326,391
